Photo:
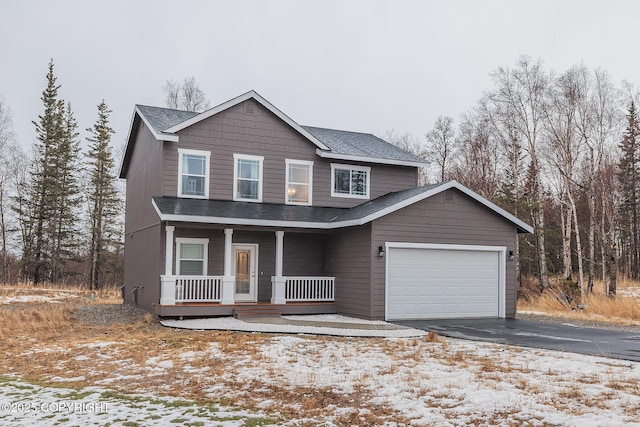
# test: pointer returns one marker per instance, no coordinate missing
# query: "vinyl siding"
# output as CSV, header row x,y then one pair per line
x,y
263,134
461,221
349,259
142,230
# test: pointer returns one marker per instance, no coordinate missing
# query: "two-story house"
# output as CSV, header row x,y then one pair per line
x,y
240,206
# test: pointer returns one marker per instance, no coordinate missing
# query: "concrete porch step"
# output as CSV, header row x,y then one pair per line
x,y
256,311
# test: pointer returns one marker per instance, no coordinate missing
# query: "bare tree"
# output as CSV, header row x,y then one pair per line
x,y
516,106
185,96
477,156
564,149
408,143
442,145
7,146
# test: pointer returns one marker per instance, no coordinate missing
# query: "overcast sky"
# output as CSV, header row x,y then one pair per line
x,y
368,66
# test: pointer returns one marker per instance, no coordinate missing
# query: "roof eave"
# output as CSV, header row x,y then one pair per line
x,y
337,156
520,225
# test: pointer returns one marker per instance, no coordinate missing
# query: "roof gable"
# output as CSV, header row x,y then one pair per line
x,y
165,123
237,100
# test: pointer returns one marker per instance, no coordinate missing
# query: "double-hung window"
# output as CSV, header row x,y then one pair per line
x,y
247,178
191,259
350,181
193,173
299,178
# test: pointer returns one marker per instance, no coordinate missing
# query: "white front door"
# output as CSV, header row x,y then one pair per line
x,y
245,265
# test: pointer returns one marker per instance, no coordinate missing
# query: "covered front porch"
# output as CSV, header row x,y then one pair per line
x,y
188,289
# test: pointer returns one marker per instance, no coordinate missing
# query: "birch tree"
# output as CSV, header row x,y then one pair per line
x,y
516,106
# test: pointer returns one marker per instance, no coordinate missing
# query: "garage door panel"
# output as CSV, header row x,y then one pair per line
x,y
441,283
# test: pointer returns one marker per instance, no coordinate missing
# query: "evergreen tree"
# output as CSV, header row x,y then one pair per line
x,y
48,209
629,173
64,230
102,197
38,206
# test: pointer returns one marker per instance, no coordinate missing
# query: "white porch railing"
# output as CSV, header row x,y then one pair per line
x,y
198,288
300,288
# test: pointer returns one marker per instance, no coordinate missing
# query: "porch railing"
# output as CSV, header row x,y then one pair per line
x,y
308,288
198,288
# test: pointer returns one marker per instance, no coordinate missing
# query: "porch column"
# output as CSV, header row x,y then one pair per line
x,y
278,282
229,279
168,280
168,252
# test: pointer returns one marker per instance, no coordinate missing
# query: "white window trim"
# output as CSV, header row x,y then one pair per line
x,y
366,169
207,155
260,160
205,242
286,181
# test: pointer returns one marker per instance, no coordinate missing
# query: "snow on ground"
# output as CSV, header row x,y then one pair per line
x,y
445,383
25,404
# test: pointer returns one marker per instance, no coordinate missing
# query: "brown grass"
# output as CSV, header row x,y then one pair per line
x,y
596,306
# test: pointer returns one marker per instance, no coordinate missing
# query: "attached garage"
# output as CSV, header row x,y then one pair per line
x,y
429,281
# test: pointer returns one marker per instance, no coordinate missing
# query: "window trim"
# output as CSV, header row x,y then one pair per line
x,y
350,168
201,241
207,175
308,163
260,160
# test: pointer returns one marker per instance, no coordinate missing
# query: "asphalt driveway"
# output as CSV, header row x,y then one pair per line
x,y
526,333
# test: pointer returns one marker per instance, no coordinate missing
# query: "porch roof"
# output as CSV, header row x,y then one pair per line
x,y
280,215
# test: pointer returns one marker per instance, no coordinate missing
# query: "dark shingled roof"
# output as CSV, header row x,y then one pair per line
x,y
361,145
245,210
276,212
339,141
162,119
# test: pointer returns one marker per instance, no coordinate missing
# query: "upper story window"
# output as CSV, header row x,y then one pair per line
x,y
247,178
299,179
350,181
193,173
191,259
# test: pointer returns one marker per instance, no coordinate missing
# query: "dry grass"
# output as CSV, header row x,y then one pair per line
x,y
45,343
596,306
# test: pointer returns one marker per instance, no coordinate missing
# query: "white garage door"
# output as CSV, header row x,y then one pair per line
x,y
440,283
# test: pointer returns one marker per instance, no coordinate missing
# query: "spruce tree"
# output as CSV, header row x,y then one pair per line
x,y
102,197
48,210
39,205
629,174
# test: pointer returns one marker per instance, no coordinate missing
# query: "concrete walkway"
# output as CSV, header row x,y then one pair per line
x,y
335,325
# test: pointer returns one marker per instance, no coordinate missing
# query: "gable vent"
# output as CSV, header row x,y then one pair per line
x,y
448,196
249,108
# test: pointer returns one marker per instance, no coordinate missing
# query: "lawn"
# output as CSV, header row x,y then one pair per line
x,y
141,373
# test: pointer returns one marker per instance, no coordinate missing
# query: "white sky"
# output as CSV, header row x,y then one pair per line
x,y
365,65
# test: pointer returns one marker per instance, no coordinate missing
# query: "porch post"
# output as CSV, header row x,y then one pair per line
x,y
168,253
229,279
278,282
168,280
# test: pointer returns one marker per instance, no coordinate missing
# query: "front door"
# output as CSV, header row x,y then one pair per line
x,y
245,262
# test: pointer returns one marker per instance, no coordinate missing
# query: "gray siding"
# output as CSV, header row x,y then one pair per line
x,y
349,259
142,265
460,221
263,134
